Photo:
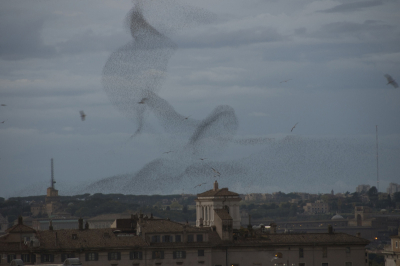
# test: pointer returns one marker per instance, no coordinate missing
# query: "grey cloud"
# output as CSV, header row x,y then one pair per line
x,y
370,28
22,39
220,38
351,7
88,42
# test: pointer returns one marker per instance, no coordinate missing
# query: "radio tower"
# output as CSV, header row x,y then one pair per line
x,y
52,174
377,161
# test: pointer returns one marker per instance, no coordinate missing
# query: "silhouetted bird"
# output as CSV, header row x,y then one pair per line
x,y
199,185
142,101
3,104
218,173
390,80
293,127
285,80
203,159
82,115
167,152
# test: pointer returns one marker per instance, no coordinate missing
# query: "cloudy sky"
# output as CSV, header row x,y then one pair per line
x,y
318,65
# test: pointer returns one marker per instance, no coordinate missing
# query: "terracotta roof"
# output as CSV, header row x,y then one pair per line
x,y
166,226
217,193
223,214
91,238
20,228
306,239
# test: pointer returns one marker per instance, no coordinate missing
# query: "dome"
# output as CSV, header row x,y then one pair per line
x,y
337,217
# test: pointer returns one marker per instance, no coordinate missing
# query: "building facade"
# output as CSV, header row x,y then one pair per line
x,y
217,199
317,207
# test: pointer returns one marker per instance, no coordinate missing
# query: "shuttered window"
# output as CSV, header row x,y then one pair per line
x,y
179,254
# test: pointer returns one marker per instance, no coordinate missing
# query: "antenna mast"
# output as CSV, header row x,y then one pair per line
x,y
52,174
377,160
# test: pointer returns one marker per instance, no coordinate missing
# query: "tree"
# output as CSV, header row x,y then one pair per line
x,y
373,195
396,197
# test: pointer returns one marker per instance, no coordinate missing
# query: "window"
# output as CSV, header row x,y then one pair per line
x,y
396,244
114,255
155,239
200,252
349,263
91,256
190,238
136,255
179,254
167,238
178,238
347,249
324,252
199,238
302,264
158,254
11,257
47,258
301,253
26,257
325,264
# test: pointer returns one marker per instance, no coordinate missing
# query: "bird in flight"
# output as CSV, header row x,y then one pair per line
x,y
187,117
293,127
218,173
203,159
3,104
390,80
199,185
285,80
167,152
82,115
142,101
3,121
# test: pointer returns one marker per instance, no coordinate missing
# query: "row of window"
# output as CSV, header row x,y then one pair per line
x,y
177,238
324,252
138,255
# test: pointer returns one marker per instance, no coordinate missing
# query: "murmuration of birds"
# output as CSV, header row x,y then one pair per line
x,y
132,78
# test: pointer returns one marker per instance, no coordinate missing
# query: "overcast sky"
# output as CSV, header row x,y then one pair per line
x,y
318,65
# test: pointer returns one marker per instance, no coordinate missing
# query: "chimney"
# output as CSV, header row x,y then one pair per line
x,y
151,216
20,220
215,185
86,225
141,218
330,230
80,222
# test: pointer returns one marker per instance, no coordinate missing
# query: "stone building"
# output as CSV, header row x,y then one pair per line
x,y
393,188
392,253
317,207
217,198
